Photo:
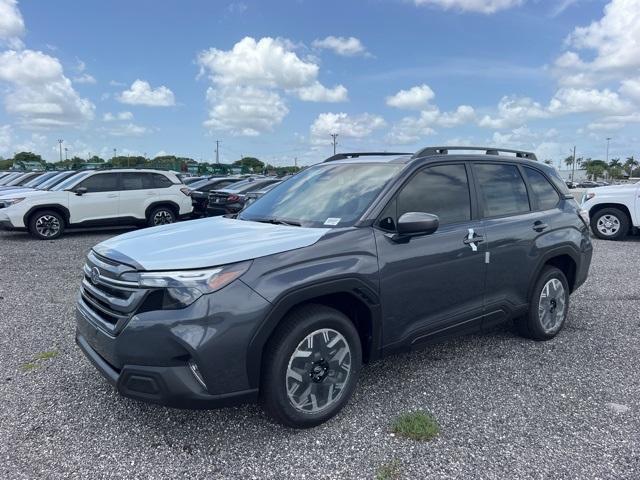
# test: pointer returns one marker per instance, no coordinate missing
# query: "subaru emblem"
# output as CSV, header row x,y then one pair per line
x,y
95,275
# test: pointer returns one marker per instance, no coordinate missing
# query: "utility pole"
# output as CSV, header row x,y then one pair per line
x,y
608,139
573,163
66,153
217,151
114,155
334,136
60,145
295,162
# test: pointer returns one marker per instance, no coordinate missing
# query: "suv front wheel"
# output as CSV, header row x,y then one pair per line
x,y
610,224
311,366
548,306
46,225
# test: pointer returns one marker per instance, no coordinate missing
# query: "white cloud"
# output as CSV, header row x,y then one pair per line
x,y
412,129
576,100
612,43
84,78
39,94
344,46
127,130
244,110
614,122
249,82
141,93
631,88
415,98
111,117
512,112
268,62
319,93
345,125
478,6
461,115
5,139
11,24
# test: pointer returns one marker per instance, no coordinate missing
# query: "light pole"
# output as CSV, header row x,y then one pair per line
x,y
66,153
608,139
60,145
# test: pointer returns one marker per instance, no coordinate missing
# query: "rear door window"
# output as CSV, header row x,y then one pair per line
x,y
544,195
502,190
160,181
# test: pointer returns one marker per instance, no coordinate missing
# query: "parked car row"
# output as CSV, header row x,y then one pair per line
x,y
45,203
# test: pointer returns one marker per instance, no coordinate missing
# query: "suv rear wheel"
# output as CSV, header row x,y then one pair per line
x,y
311,368
610,224
161,216
46,225
548,306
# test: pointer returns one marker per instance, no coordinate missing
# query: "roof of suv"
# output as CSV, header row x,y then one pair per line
x,y
480,153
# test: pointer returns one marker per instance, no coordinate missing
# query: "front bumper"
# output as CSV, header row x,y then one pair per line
x,y
148,359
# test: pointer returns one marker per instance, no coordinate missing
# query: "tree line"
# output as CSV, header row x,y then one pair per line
x,y
30,160
615,169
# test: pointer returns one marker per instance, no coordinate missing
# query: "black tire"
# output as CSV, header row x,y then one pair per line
x,y
617,231
46,225
277,380
536,326
161,215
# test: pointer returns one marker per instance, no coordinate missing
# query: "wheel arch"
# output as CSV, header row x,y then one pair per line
x,y
56,207
620,206
565,259
162,203
352,297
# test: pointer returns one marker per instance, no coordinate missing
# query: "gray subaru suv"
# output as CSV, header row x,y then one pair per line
x,y
351,260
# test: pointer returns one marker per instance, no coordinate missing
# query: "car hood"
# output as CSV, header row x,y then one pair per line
x,y
22,193
205,243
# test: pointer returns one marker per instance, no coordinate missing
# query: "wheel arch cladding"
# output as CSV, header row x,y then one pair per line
x,y
352,298
175,208
63,211
564,261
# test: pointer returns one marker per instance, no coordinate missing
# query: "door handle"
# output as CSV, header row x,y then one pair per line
x,y
539,226
472,239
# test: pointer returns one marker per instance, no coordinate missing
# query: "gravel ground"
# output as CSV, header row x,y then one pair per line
x,y
507,407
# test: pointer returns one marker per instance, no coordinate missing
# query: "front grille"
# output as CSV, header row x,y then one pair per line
x,y
110,300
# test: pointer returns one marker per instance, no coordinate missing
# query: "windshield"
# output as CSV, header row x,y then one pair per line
x,y
327,195
70,181
39,179
59,177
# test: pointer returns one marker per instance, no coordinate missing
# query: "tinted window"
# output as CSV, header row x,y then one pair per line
x,y
502,189
136,181
160,181
544,195
441,190
215,185
102,182
256,186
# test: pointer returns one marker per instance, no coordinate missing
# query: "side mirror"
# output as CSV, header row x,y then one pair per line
x,y
80,191
418,223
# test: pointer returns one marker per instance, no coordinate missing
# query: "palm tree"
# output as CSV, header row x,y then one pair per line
x,y
630,164
568,161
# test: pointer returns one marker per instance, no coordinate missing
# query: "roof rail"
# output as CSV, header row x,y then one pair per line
x,y
342,156
487,150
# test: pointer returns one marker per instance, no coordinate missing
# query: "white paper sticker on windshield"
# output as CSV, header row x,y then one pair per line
x,y
332,221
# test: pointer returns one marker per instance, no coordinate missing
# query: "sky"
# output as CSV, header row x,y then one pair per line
x,y
274,79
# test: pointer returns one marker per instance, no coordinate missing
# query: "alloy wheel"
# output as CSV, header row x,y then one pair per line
x,y
162,217
608,225
47,226
319,370
551,305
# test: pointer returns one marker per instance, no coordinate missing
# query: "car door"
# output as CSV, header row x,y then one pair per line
x,y
100,201
431,284
512,223
137,193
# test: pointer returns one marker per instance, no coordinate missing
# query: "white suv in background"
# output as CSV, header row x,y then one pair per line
x,y
97,198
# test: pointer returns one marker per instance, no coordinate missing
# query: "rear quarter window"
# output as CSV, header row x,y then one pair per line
x,y
544,195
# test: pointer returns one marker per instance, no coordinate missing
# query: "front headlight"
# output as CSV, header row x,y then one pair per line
x,y
588,196
182,288
12,201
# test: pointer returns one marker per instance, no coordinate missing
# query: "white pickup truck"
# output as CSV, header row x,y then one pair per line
x,y
614,210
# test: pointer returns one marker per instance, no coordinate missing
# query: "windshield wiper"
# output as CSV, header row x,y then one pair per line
x,y
278,221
